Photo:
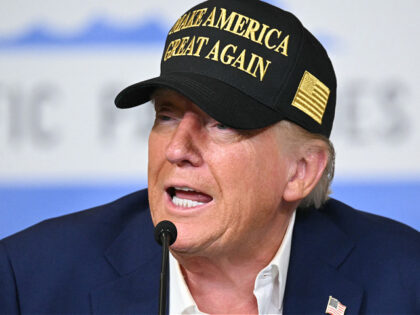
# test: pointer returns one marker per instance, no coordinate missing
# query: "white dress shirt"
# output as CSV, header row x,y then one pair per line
x,y
268,288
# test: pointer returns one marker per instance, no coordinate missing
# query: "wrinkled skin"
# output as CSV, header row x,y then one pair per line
x,y
244,173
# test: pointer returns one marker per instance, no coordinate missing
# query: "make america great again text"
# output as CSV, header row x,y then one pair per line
x,y
228,54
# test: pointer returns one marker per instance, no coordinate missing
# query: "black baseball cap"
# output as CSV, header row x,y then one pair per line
x,y
248,65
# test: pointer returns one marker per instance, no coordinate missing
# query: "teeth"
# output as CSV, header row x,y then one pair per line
x,y
184,188
186,203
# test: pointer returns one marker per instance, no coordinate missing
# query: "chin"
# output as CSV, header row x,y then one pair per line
x,y
186,242
183,248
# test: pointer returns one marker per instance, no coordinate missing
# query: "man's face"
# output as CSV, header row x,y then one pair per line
x,y
221,187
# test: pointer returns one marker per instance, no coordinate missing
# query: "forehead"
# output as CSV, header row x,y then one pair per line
x,y
168,99
171,99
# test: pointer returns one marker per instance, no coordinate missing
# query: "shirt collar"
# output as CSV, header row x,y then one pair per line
x,y
182,302
180,298
276,271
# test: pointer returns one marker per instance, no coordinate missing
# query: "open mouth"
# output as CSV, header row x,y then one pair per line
x,y
187,197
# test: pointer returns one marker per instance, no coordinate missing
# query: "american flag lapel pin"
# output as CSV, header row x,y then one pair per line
x,y
334,307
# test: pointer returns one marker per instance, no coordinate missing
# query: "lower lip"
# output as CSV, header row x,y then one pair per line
x,y
183,210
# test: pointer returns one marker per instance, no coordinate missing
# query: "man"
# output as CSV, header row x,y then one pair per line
x,y
240,162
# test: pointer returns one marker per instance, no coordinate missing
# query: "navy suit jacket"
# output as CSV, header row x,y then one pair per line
x,y
105,261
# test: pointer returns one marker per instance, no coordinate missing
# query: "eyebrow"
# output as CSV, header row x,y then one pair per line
x,y
166,105
159,92
159,102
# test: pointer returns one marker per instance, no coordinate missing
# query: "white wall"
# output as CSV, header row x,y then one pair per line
x,y
58,123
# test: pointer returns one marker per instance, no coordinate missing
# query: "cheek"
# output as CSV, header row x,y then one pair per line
x,y
156,160
251,162
252,174
156,155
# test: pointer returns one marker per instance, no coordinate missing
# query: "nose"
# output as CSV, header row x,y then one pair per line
x,y
183,148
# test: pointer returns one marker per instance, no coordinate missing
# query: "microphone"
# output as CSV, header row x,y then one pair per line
x,y
165,228
165,235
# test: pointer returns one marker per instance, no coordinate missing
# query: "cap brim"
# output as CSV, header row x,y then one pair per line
x,y
222,102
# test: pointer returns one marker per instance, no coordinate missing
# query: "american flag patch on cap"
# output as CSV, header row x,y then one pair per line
x,y
334,307
312,97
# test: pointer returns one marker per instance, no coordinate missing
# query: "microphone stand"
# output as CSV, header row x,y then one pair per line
x,y
163,273
165,235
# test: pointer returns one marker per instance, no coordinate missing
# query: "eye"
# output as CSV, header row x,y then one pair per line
x,y
163,117
221,126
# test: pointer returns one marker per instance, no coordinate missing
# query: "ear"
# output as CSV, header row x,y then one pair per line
x,y
306,172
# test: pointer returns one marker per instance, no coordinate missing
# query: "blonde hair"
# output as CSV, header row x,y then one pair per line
x,y
299,137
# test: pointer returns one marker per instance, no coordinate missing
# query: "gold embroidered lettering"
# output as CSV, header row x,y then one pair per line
x,y
210,18
184,22
267,38
240,60
214,51
171,49
190,47
284,45
191,20
240,22
175,28
229,57
262,33
175,46
168,51
251,64
223,23
181,50
260,66
199,19
201,41
253,27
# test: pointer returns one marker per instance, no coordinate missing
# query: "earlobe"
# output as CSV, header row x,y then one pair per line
x,y
306,173
295,186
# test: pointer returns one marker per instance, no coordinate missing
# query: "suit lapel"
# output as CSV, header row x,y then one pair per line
x,y
135,256
318,250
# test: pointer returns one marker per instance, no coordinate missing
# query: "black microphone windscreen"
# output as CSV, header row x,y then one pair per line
x,y
168,227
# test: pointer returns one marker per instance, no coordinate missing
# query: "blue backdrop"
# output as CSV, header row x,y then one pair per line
x,y
22,206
